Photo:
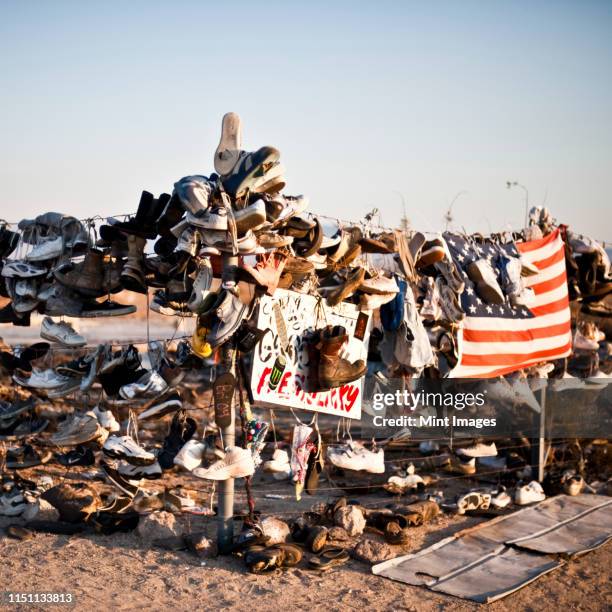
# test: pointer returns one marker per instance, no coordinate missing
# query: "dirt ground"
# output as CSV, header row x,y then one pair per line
x,y
122,572
116,572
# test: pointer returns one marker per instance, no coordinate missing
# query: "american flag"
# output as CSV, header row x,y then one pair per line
x,y
498,339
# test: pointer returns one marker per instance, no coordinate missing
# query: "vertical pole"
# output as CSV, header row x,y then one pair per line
x,y
539,448
225,519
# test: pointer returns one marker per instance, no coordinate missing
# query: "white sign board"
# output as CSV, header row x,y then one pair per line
x,y
301,314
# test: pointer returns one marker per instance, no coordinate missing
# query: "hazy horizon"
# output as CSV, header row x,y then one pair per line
x,y
367,106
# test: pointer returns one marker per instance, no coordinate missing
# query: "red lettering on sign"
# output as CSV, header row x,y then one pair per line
x,y
262,379
284,381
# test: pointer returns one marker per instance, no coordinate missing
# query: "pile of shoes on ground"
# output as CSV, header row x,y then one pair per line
x,y
208,250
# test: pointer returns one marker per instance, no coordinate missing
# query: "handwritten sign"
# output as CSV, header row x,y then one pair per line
x,y
303,314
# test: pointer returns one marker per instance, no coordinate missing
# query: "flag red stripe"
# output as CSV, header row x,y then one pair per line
x,y
549,285
534,245
512,359
549,261
552,307
480,335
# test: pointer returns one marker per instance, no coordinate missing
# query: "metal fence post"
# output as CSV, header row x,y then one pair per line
x,y
225,519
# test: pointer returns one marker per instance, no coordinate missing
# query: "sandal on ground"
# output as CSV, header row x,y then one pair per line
x,y
328,558
473,501
260,560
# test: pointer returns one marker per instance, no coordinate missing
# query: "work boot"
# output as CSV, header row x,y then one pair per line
x,y
171,213
8,241
144,223
132,276
335,371
311,384
111,276
86,277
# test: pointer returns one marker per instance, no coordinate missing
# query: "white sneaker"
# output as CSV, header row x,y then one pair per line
x,y
356,457
138,472
500,499
150,385
410,482
61,332
372,301
107,420
293,206
124,447
237,463
279,464
201,285
529,494
213,218
191,454
479,450
47,248
42,379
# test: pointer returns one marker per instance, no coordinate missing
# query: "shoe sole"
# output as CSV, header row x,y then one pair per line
x,y
28,464
230,143
107,313
347,289
119,481
160,410
328,383
76,440
251,220
273,186
129,458
53,338
244,469
431,256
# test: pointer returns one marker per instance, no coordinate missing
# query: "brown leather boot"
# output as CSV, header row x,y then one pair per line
x,y
350,285
311,383
111,282
86,277
132,277
333,370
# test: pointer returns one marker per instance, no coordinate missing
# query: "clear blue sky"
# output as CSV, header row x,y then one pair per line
x,y
103,99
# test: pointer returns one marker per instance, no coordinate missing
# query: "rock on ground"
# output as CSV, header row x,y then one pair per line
x,y
157,525
372,551
275,529
351,519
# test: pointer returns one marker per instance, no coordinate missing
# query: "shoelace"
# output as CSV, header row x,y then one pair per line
x,y
64,325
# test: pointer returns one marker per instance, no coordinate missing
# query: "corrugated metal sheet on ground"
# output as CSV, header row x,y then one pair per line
x,y
494,559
